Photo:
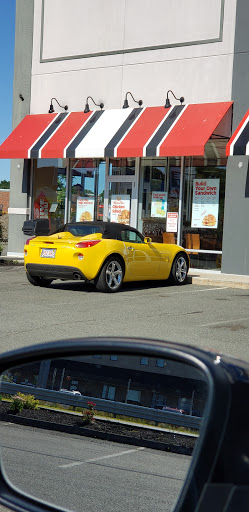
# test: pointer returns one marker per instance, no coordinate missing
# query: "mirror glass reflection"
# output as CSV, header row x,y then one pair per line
x,y
101,432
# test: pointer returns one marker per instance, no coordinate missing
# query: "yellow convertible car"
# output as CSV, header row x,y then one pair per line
x,y
104,252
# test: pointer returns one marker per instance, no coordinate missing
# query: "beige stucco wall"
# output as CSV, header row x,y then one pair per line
x,y
103,49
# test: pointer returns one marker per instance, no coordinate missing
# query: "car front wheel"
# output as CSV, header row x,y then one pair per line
x,y
38,281
111,276
179,270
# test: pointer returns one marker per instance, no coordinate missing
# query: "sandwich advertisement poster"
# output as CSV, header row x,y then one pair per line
x,y
205,205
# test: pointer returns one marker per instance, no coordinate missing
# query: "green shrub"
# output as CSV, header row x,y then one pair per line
x,y
21,401
30,402
5,377
17,404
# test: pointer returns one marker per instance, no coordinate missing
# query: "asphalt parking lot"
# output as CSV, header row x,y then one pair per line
x,y
212,317
154,478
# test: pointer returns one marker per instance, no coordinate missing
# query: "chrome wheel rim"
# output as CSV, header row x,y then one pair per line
x,y
181,269
113,275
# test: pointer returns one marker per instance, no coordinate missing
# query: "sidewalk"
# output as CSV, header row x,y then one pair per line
x,y
209,278
195,276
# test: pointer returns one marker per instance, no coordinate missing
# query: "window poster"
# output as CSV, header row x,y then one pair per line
x,y
120,208
172,218
45,191
205,205
84,209
41,207
159,204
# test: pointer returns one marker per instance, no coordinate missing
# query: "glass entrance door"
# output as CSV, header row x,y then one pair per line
x,y
120,203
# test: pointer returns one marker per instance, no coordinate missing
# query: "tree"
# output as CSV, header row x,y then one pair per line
x,y
61,190
4,184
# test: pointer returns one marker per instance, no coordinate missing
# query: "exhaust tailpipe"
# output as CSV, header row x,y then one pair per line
x,y
77,276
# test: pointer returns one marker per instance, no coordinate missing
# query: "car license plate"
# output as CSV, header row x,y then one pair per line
x,y
48,253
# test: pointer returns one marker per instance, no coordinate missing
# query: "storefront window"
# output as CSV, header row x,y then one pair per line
x,y
153,197
174,166
87,189
49,191
159,198
203,207
122,167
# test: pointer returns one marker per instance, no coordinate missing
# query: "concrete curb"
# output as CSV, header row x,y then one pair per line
x,y
226,284
4,260
221,281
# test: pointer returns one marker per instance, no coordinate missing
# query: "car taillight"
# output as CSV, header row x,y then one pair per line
x,y
86,243
29,240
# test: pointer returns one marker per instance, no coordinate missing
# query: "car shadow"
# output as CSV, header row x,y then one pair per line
x,y
89,287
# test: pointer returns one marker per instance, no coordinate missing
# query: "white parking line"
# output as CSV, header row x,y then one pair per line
x,y
228,321
100,458
193,291
210,289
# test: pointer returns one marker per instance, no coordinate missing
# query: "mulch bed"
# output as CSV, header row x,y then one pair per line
x,y
117,432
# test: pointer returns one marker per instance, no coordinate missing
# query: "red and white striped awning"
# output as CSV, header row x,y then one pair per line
x,y
181,130
239,142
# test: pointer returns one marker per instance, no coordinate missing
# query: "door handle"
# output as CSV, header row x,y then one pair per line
x,y
130,248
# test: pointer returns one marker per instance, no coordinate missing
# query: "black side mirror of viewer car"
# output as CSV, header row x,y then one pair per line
x,y
126,423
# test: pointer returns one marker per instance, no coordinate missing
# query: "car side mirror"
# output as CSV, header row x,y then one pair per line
x,y
107,413
147,240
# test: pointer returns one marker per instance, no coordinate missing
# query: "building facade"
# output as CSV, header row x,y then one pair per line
x,y
194,54
4,200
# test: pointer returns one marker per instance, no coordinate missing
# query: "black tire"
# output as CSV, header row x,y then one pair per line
x,y
38,281
179,270
111,276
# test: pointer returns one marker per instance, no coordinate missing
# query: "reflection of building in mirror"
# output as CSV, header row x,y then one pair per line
x,y
137,380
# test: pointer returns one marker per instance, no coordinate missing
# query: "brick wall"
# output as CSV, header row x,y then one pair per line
x,y
4,199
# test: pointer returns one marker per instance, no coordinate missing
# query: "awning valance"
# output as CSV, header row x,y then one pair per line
x,y
239,142
181,130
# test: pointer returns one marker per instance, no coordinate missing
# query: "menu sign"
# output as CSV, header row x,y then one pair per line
x,y
159,204
172,222
205,206
120,209
84,209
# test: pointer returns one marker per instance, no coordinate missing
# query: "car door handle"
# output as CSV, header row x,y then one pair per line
x,y
130,248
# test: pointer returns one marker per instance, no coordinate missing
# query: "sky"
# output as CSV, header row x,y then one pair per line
x,y
7,43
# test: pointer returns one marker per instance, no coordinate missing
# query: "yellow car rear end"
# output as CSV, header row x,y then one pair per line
x,y
64,256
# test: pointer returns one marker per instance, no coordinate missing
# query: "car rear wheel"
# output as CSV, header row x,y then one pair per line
x,y
111,276
179,270
38,281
